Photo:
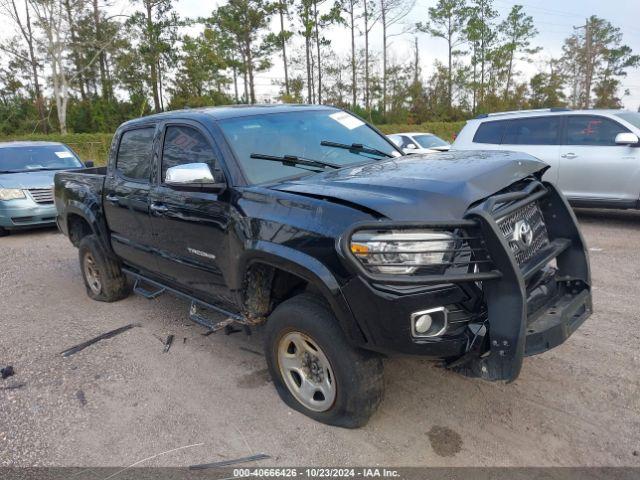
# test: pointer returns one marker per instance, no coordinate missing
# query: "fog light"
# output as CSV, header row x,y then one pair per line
x,y
429,323
423,323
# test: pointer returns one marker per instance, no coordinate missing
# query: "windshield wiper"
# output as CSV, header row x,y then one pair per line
x,y
293,161
356,147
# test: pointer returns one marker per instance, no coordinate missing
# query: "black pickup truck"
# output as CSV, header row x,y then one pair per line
x,y
307,222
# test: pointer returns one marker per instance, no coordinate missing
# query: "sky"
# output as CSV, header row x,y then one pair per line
x,y
554,20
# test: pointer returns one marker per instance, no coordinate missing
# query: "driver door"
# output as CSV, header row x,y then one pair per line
x,y
592,166
190,226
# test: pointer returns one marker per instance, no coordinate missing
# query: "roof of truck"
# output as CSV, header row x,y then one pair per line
x,y
229,111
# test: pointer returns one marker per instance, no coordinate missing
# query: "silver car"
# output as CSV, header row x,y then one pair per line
x,y
593,154
26,182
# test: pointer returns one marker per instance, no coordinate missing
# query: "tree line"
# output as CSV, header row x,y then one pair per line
x,y
78,65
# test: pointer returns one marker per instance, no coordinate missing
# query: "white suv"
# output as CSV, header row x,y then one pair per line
x,y
594,155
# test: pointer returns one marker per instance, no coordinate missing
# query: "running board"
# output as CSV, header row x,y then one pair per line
x,y
195,308
215,326
138,289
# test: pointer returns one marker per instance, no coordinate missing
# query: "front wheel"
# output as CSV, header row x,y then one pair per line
x,y
314,368
3,232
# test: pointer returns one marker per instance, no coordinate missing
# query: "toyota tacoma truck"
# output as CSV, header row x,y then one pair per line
x,y
307,222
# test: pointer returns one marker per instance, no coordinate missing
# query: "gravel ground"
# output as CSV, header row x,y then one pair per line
x,y
123,399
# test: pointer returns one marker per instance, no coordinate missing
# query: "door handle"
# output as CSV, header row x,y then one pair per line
x,y
159,208
569,155
111,198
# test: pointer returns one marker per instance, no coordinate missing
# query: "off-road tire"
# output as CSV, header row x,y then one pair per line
x,y
357,373
113,283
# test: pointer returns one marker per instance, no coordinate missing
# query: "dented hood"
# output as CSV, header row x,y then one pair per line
x,y
438,186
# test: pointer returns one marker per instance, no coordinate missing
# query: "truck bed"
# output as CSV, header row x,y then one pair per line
x,y
79,191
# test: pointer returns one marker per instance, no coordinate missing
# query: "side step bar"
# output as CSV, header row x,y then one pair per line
x,y
138,289
195,310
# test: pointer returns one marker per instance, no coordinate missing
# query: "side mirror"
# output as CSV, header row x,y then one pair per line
x,y
194,176
627,138
89,163
409,149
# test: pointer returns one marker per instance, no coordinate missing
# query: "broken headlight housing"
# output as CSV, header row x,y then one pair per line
x,y
403,252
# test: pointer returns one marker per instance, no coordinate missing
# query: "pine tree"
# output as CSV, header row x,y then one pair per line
x,y
447,20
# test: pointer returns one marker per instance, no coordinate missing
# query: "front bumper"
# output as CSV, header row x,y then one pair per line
x,y
384,317
26,213
514,313
555,323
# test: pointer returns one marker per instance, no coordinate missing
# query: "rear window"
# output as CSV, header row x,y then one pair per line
x,y
134,153
489,132
532,131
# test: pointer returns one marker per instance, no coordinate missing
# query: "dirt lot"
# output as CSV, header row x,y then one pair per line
x,y
123,399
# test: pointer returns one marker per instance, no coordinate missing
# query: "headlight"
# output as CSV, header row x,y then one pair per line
x,y
11,193
402,252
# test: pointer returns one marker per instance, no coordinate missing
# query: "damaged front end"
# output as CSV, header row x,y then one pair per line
x,y
514,281
543,295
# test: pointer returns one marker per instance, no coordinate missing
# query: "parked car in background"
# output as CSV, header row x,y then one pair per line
x,y
593,154
26,182
416,142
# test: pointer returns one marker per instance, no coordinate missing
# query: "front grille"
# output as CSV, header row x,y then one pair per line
x,y
525,231
17,220
41,195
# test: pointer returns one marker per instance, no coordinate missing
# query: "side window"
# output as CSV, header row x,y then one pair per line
x,y
405,142
134,153
185,145
397,141
592,130
489,132
532,131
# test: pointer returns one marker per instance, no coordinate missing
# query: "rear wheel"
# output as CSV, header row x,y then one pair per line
x,y
103,277
314,368
3,232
